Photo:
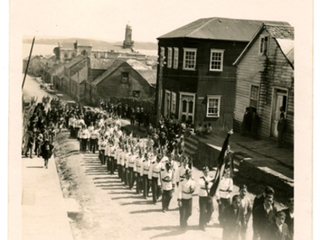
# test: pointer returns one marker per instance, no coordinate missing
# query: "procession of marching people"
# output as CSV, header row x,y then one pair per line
x,y
158,165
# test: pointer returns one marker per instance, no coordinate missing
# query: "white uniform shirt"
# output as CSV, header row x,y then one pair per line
x,y
121,157
94,134
103,145
155,168
138,164
126,159
106,150
225,188
202,191
186,189
145,167
90,129
167,179
112,150
132,160
180,174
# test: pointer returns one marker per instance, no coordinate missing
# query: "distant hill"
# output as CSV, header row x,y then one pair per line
x,y
96,44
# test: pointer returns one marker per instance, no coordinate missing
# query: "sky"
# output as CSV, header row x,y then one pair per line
x,y
106,19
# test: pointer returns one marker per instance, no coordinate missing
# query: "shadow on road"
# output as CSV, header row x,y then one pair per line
x,y
137,203
146,211
127,197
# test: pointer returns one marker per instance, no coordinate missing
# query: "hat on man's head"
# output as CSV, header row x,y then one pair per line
x,y
205,168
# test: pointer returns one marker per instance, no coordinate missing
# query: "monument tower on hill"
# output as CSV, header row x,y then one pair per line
x,y
128,43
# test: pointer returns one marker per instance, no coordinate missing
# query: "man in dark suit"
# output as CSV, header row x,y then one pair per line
x,y
290,216
263,216
277,230
231,220
259,200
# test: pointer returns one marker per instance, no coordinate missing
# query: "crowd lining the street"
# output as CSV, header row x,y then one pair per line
x,y
157,165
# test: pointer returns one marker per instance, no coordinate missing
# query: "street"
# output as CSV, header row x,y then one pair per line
x,y
110,210
107,208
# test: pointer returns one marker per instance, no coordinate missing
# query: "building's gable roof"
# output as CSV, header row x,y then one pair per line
x,y
284,36
56,69
110,70
146,72
220,29
81,75
100,63
74,61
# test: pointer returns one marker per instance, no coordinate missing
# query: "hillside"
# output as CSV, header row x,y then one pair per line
x,y
97,44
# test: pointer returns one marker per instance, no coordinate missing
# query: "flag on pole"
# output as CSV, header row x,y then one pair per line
x,y
221,165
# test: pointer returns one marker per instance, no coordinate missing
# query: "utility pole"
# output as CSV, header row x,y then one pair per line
x,y
25,74
159,89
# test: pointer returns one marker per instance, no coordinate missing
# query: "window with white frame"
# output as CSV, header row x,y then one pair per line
x,y
189,58
264,41
213,106
254,96
169,61
173,102
216,60
176,58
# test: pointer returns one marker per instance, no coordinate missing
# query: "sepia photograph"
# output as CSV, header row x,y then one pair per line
x,y
160,120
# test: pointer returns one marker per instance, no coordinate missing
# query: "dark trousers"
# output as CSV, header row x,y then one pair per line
x,y
156,192
166,198
101,156
93,145
185,211
119,171
206,210
224,203
146,186
131,177
123,171
108,163
71,132
84,144
115,165
125,176
111,163
138,183
75,132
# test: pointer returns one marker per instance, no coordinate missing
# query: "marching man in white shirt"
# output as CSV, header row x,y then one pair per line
x,y
186,189
145,172
223,194
167,185
131,162
137,171
154,174
205,200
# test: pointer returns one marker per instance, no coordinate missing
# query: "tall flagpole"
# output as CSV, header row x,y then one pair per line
x,y
26,71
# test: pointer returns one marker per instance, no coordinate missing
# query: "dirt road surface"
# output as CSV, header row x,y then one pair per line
x,y
109,210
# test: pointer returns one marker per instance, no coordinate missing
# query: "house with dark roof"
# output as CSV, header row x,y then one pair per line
x,y
265,81
76,73
123,79
198,80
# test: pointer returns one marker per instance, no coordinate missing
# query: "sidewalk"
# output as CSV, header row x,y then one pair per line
x,y
43,208
263,153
